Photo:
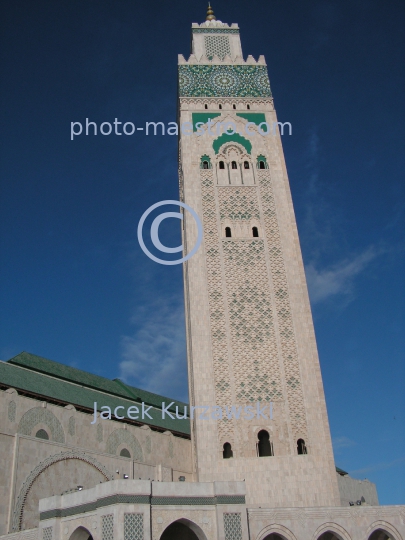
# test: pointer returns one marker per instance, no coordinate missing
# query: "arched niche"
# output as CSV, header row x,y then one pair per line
x,y
81,533
41,417
382,530
183,529
52,476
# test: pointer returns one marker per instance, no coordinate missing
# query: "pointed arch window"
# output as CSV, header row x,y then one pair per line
x,y
262,162
264,445
125,453
42,434
228,232
205,106
221,165
248,107
205,162
227,451
246,165
233,106
234,165
301,447
219,106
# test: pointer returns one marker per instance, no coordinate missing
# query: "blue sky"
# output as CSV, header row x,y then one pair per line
x,y
75,286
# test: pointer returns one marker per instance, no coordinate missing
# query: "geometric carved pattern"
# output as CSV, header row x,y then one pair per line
x,y
233,526
223,80
39,415
171,448
12,407
253,341
107,527
73,454
99,435
238,203
71,426
120,436
287,337
133,526
222,374
217,45
47,533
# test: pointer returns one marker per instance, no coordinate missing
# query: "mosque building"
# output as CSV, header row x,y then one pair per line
x,y
250,457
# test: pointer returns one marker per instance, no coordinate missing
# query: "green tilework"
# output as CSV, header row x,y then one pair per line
x,y
203,117
45,386
67,373
235,137
256,118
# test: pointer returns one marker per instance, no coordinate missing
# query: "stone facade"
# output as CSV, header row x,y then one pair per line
x,y
250,333
33,468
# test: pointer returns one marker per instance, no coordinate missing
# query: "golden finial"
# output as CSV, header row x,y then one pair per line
x,y
210,13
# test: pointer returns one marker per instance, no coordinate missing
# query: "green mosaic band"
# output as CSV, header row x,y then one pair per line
x,y
223,81
92,507
140,499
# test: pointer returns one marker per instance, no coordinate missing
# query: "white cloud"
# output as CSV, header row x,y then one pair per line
x,y
154,358
337,279
379,466
342,442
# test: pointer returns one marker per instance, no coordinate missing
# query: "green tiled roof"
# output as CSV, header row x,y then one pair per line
x,y
341,471
36,375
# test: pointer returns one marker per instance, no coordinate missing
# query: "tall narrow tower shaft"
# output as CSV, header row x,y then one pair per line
x,y
250,333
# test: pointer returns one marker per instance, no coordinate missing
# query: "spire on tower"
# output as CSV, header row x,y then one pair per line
x,y
210,13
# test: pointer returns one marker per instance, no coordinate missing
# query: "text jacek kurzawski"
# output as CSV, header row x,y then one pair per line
x,y
200,412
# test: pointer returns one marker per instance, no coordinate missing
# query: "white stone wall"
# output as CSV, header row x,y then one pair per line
x,y
33,468
251,274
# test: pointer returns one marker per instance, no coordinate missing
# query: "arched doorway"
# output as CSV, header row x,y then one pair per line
x,y
329,535
380,534
274,536
81,534
183,529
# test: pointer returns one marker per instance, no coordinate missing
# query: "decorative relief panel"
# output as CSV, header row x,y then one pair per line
x,y
120,436
47,533
233,526
223,80
99,434
288,343
39,415
133,526
222,373
107,527
255,356
71,426
238,203
12,408
217,45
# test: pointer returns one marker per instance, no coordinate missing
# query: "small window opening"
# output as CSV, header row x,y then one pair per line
x,y
227,452
221,165
228,233
234,166
205,106
301,447
219,106
234,106
248,107
246,164
255,232
125,453
264,446
261,165
42,434
205,164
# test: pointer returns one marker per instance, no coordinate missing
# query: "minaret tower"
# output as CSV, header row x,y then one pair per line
x,y
250,334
